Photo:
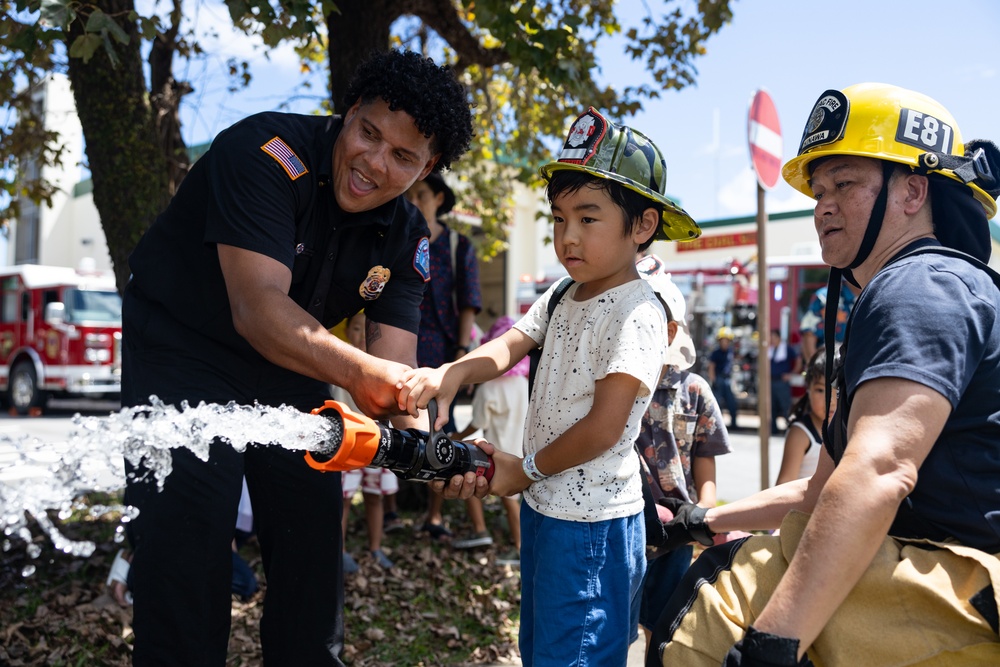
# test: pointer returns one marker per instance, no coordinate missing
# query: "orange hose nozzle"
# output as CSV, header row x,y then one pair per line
x,y
358,444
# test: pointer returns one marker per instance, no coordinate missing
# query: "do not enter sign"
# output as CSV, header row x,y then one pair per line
x,y
764,135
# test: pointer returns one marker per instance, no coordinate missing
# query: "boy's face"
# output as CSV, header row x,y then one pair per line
x,y
590,241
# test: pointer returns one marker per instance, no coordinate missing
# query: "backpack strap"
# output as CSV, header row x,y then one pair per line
x,y
951,252
453,245
536,354
835,439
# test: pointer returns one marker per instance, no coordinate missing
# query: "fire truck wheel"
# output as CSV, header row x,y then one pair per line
x,y
23,388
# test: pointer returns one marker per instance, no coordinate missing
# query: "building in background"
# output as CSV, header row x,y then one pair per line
x,y
68,233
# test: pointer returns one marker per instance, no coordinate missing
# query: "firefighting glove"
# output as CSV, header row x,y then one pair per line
x,y
760,649
688,525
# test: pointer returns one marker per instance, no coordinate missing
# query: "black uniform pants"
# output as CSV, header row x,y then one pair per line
x,y
182,565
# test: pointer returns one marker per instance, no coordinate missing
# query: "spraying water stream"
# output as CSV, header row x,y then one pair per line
x,y
37,477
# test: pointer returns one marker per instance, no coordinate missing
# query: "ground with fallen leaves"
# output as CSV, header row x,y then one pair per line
x,y
437,606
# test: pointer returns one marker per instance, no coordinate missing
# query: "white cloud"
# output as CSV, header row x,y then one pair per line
x,y
788,199
739,196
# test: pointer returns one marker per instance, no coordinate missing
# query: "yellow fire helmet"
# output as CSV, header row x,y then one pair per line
x,y
598,147
725,332
886,122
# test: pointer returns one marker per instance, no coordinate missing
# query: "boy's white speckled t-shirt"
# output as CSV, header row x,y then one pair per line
x,y
622,330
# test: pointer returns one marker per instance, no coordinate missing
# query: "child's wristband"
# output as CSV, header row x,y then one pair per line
x,y
531,470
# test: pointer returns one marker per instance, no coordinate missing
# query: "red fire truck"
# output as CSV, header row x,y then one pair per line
x,y
60,335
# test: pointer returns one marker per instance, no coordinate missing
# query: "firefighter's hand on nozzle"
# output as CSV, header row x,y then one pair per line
x,y
375,386
420,385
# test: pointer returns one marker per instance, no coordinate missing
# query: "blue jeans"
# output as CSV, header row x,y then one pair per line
x,y
579,585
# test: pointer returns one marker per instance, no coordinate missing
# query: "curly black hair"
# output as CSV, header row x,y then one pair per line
x,y
432,94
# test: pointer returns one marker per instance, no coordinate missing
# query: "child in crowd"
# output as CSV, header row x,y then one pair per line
x,y
582,530
804,440
681,434
447,315
499,408
375,483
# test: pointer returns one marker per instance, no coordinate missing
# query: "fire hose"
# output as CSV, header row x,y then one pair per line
x,y
357,441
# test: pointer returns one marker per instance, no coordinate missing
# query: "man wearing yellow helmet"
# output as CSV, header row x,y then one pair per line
x,y
905,503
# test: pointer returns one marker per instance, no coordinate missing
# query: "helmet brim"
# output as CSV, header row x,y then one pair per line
x,y
675,225
796,174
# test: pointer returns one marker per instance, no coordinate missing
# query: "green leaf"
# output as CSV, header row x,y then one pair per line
x,y
57,13
102,23
84,47
110,49
237,10
149,26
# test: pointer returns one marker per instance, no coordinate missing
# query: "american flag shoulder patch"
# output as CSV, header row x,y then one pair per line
x,y
286,157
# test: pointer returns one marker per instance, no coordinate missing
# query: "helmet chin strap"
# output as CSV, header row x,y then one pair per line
x,y
874,226
836,274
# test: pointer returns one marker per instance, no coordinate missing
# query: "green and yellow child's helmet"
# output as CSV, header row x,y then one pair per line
x,y
885,122
597,146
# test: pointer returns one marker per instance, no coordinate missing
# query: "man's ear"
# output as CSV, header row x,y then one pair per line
x,y
916,194
429,167
349,114
648,224
671,332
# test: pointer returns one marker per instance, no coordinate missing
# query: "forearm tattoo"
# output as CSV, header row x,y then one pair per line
x,y
372,332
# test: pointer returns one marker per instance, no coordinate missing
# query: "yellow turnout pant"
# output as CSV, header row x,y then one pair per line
x,y
919,603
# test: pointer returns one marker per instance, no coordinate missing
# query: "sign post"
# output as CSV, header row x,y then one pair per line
x,y
764,137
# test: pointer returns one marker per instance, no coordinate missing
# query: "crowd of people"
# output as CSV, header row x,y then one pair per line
x,y
604,447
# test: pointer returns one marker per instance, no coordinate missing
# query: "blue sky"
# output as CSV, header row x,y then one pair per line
x,y
795,49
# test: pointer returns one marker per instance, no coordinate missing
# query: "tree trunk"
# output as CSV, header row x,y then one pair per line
x,y
127,165
360,27
165,97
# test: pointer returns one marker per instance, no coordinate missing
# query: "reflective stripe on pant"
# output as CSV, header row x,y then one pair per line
x,y
919,603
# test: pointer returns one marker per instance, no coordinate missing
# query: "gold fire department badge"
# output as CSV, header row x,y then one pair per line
x,y
374,283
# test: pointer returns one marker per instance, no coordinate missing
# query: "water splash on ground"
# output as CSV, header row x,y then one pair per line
x,y
37,477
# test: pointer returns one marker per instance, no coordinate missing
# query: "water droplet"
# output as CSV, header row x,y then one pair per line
x,y
28,571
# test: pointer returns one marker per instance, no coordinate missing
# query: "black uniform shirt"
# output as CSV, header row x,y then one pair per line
x,y
265,186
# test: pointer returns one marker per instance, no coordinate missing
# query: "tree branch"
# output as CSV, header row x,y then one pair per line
x,y
442,16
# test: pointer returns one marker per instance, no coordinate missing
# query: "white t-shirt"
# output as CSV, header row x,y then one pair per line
x,y
810,460
500,407
619,331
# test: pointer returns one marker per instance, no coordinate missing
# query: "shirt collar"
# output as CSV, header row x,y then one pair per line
x,y
672,378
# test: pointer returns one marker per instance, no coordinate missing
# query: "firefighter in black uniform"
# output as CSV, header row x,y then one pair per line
x,y
287,225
